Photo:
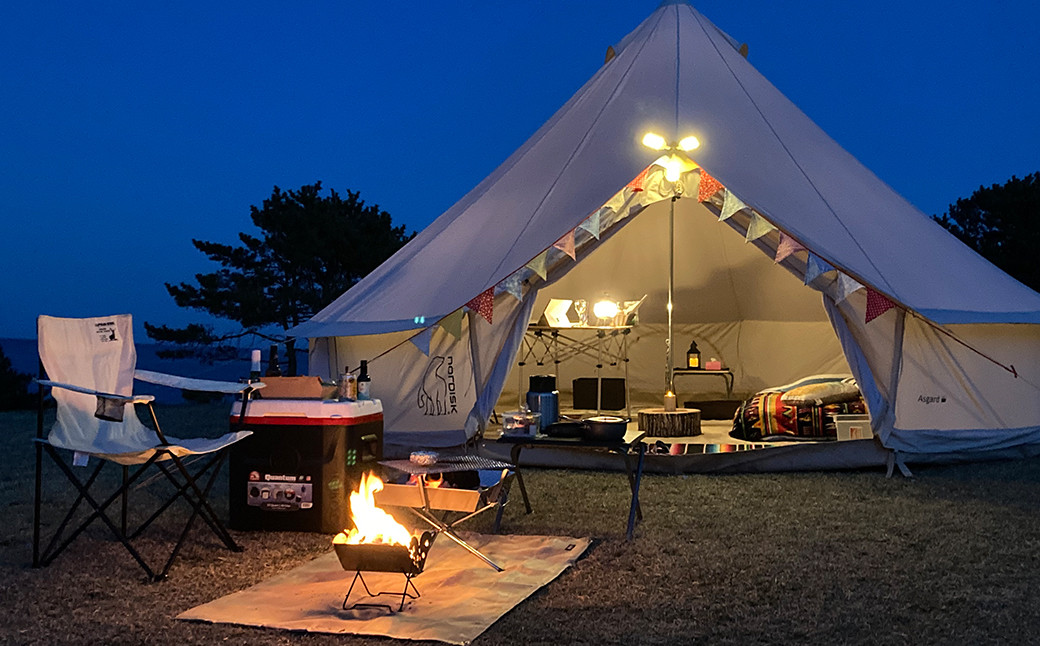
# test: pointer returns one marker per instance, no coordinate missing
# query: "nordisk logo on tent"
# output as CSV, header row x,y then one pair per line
x,y
932,399
437,388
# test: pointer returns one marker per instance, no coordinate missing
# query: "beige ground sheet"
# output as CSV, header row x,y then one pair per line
x,y
460,595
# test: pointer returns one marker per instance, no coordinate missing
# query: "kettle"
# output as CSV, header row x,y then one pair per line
x,y
545,399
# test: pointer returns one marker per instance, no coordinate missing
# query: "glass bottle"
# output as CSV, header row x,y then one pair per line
x,y
364,382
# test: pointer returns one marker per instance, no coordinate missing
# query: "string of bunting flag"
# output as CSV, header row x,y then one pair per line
x,y
647,187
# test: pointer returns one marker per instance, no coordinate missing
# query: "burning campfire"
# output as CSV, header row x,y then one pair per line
x,y
372,524
378,543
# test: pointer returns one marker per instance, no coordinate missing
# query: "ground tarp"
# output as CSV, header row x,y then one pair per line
x,y
460,596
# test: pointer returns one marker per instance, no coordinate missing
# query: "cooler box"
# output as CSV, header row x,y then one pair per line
x,y
305,456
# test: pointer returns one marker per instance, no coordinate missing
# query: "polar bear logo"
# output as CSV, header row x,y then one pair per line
x,y
433,389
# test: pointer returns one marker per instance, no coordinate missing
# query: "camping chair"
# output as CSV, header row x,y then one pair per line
x,y
90,365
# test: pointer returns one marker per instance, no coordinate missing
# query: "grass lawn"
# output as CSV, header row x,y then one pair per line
x,y
950,557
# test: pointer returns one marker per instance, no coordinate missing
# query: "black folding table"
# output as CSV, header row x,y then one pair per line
x,y
623,447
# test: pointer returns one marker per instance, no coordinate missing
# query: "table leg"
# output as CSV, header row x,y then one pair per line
x,y
632,480
503,498
514,456
634,508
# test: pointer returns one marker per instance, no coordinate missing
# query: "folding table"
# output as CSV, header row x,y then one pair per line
x,y
423,500
631,440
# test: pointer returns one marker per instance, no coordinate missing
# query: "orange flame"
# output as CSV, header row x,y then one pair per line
x,y
372,524
431,483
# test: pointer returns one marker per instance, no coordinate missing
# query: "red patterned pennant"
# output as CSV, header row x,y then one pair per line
x,y
637,184
709,186
877,304
483,304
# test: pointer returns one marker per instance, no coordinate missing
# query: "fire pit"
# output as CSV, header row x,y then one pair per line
x,y
378,543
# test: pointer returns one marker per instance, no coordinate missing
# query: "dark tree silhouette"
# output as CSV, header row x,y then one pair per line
x,y
1002,223
14,386
310,249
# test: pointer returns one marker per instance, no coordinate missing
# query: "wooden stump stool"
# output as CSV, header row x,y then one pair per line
x,y
657,422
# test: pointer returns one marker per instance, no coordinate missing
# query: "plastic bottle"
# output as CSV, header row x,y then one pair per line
x,y
254,366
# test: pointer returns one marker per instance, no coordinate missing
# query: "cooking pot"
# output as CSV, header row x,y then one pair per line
x,y
605,428
565,428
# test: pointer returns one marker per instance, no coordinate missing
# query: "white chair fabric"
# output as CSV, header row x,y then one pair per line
x,y
98,354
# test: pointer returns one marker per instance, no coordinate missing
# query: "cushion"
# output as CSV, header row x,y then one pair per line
x,y
831,392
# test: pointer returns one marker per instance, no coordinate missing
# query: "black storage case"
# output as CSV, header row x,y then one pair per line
x,y
612,395
296,474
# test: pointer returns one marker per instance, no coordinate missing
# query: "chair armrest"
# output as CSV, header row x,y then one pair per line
x,y
187,383
128,399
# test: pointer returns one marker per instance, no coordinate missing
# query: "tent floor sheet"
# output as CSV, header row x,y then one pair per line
x,y
713,451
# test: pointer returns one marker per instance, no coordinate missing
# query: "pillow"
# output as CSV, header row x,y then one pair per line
x,y
832,392
805,381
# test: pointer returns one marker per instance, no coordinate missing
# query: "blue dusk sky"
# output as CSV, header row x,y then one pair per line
x,y
129,128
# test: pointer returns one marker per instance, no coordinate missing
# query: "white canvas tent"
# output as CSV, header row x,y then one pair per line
x,y
936,368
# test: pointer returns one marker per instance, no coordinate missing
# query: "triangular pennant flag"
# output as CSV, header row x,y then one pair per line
x,y
452,324
730,205
758,227
483,303
422,340
591,224
787,246
538,264
816,267
709,186
636,185
689,184
514,285
877,304
566,244
846,285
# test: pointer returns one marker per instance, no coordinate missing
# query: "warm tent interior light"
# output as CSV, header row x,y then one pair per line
x,y
605,309
785,245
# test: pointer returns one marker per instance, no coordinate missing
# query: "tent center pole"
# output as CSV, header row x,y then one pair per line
x,y
671,291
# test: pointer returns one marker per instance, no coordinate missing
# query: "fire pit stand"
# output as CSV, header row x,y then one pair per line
x,y
452,464
409,561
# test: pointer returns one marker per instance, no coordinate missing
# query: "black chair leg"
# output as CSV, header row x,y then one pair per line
x,y
99,513
126,485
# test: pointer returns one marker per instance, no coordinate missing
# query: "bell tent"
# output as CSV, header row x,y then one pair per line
x,y
789,258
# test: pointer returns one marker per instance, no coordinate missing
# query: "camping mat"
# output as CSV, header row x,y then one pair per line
x,y
461,596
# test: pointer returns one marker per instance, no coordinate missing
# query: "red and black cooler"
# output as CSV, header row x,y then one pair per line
x,y
305,456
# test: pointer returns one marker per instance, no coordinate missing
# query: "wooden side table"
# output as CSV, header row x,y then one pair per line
x,y
658,422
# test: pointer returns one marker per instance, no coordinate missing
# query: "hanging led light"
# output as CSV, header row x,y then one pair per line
x,y
675,163
687,144
654,141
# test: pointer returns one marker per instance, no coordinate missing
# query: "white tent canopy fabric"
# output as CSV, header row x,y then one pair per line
x,y
935,369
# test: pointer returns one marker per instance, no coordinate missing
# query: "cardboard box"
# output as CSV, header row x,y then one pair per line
x,y
296,388
853,427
